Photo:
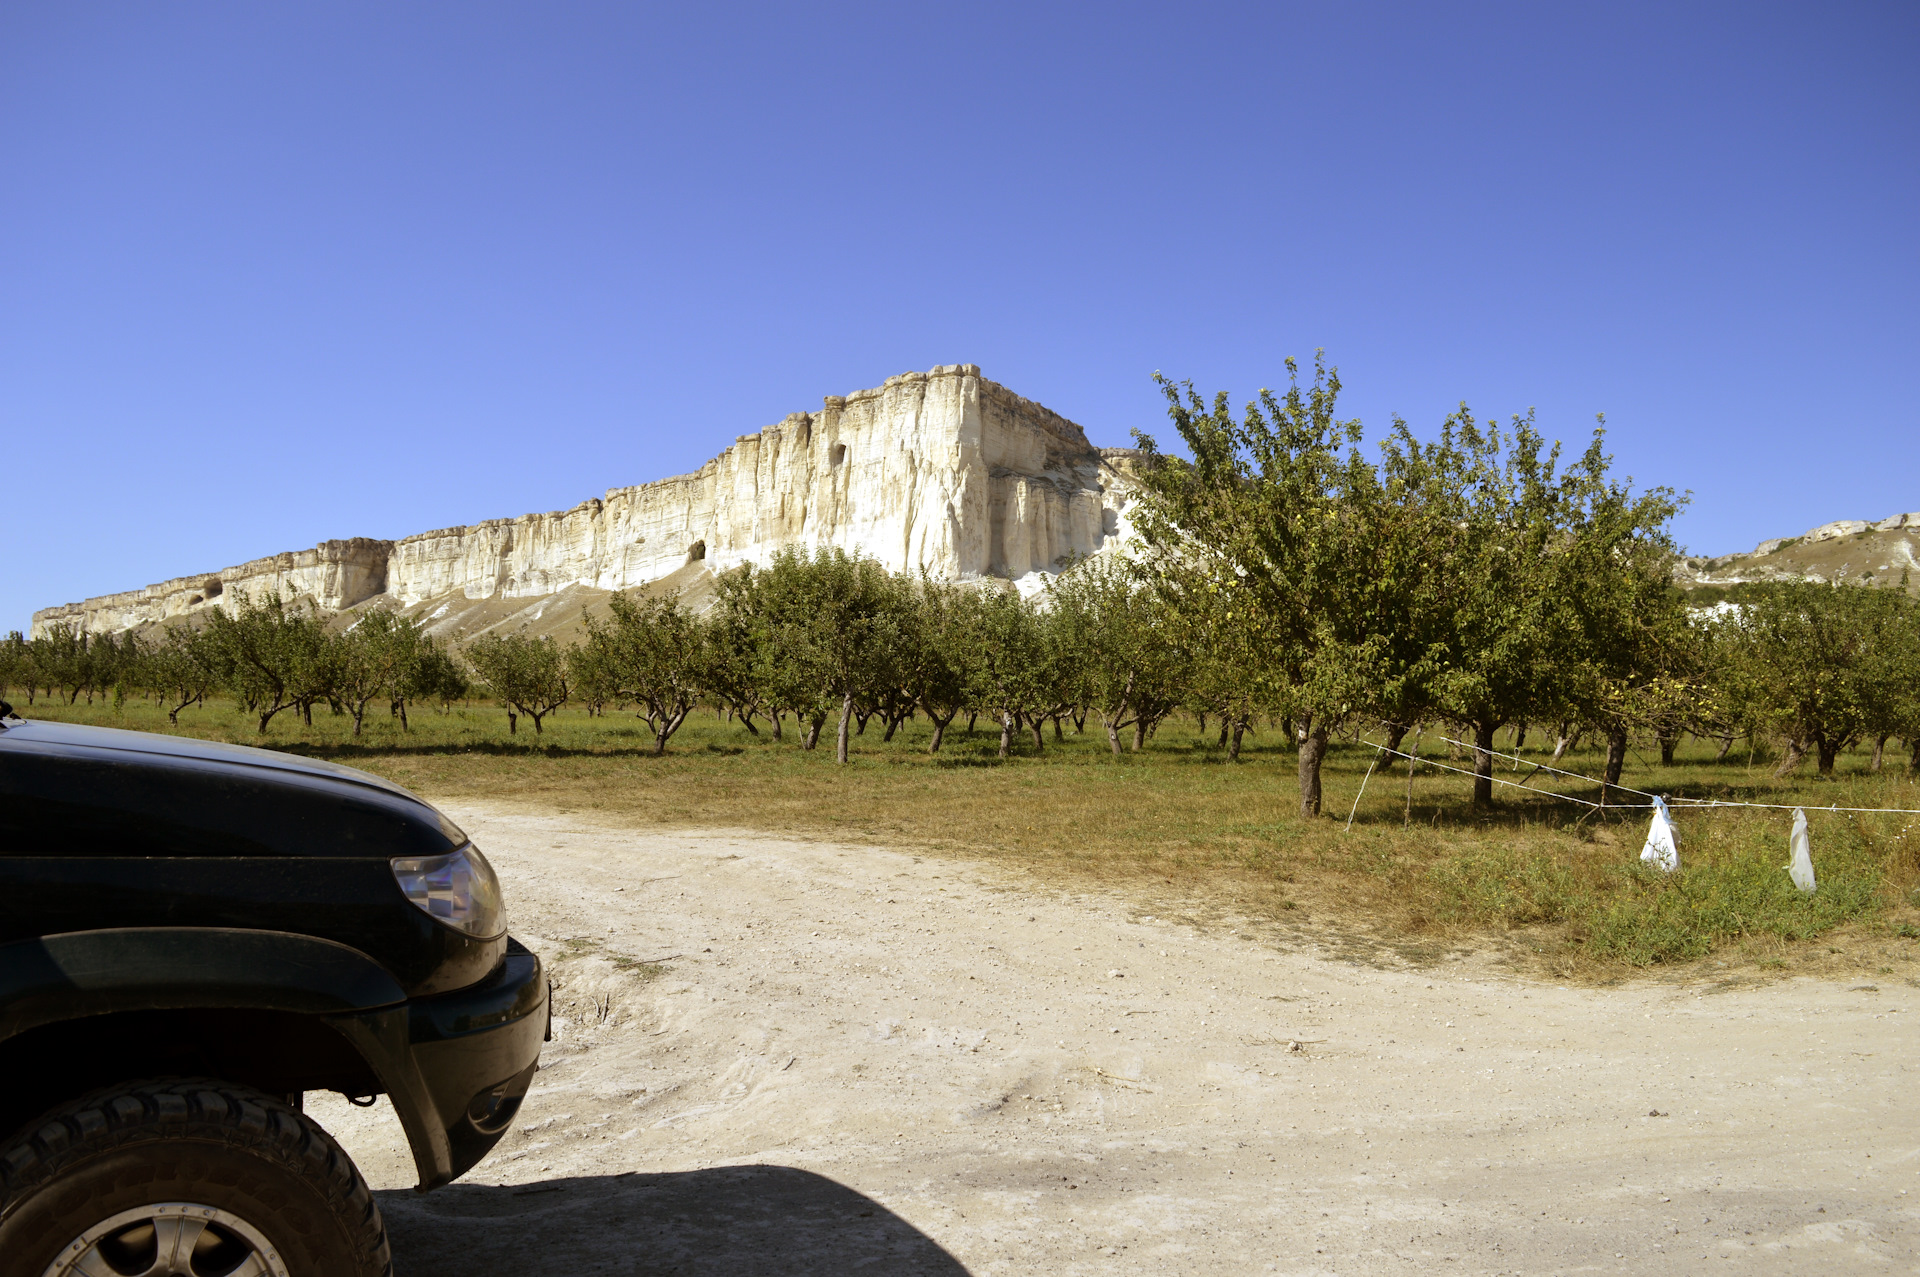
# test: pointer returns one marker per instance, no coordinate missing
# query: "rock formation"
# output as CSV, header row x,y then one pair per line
x,y
942,470
1879,552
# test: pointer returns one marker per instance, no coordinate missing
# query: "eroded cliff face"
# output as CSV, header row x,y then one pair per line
x,y
942,470
334,574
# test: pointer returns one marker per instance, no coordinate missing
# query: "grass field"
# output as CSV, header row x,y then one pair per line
x,y
1550,885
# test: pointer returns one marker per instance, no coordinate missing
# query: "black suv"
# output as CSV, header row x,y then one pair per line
x,y
193,935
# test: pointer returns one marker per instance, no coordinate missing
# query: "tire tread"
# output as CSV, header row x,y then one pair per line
x,y
203,1109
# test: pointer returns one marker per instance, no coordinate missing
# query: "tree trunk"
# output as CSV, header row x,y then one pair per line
x,y
1039,742
972,714
811,736
1113,735
1795,755
1139,734
1286,726
1726,744
1913,760
1058,735
1879,751
1412,754
1202,716
892,725
776,725
359,711
846,718
1233,741
1225,731
1483,764
1666,749
1079,721
939,734
1829,748
1006,733
1568,738
1519,739
862,717
1616,759
513,722
1313,748
1396,732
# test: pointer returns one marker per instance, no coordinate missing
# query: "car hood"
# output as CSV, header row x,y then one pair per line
x,y
177,796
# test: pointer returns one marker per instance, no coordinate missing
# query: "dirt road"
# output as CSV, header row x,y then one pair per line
x,y
860,1061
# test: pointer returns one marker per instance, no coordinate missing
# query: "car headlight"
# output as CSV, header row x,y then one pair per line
x,y
458,888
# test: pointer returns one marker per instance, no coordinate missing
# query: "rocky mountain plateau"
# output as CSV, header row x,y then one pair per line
x,y
943,470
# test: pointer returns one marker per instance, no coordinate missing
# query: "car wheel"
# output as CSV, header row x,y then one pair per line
x,y
185,1178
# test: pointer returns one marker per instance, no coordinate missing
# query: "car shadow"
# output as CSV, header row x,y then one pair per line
x,y
735,1220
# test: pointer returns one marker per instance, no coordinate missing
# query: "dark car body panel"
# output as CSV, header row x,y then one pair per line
x,y
147,969
141,873
83,792
433,1069
347,901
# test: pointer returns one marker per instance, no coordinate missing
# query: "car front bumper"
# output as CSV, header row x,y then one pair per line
x,y
457,1065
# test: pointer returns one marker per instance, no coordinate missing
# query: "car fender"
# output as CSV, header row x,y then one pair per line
x,y
82,973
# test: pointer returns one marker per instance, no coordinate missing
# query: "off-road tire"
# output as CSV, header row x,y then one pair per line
x,y
193,1140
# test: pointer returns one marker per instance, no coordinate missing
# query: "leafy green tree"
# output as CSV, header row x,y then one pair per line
x,y
591,674
374,660
1890,677
653,654
15,663
431,676
1279,507
1556,594
827,630
771,613
1120,636
1814,663
937,652
740,664
527,675
1228,674
271,656
1632,657
60,659
1008,661
182,668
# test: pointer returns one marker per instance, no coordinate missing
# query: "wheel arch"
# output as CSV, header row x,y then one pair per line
x,y
89,1009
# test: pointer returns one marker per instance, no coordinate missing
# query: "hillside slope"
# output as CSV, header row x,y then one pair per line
x,y
1851,550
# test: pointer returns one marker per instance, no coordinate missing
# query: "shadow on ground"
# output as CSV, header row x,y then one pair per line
x,y
741,1221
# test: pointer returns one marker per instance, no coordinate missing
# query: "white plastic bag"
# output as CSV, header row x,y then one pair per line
x,y
1799,865
1663,840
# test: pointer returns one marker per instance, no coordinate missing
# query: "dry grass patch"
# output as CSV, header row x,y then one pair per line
x,y
1545,885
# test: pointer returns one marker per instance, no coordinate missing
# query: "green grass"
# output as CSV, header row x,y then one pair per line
x,y
1551,884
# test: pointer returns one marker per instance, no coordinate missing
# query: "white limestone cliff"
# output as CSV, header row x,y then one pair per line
x,y
942,470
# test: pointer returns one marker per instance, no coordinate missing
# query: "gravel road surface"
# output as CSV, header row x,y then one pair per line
x,y
853,1060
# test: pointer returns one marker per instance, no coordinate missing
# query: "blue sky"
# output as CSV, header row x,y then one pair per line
x,y
277,273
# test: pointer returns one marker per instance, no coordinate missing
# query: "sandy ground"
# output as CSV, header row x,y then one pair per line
x,y
861,1061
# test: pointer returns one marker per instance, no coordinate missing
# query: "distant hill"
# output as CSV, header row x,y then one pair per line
x,y
1851,550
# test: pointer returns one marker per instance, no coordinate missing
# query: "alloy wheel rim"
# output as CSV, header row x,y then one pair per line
x,y
170,1239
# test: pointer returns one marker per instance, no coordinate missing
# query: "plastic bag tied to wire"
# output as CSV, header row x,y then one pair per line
x,y
1799,864
1662,849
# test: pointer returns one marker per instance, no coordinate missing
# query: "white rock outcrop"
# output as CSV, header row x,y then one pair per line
x,y
1840,528
942,470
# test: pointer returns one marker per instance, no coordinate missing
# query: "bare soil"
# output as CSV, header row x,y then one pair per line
x,y
774,1055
